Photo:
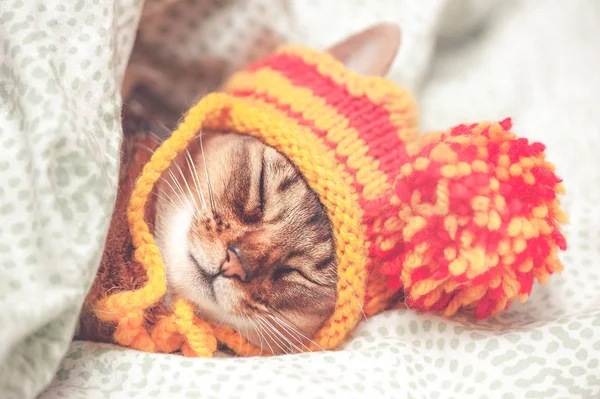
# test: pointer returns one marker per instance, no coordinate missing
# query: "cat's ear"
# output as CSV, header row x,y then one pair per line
x,y
369,52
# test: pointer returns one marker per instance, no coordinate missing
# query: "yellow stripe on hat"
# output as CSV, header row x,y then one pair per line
x,y
301,100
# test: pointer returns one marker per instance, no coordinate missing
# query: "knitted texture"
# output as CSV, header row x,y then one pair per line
x,y
464,219
473,221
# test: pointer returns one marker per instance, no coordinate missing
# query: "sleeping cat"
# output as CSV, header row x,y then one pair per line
x,y
242,235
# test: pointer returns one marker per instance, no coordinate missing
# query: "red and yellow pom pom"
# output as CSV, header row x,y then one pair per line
x,y
474,219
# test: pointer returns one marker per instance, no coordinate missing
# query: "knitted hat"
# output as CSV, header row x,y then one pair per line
x,y
406,214
352,133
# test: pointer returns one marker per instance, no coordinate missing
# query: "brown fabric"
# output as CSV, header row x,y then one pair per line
x,y
118,270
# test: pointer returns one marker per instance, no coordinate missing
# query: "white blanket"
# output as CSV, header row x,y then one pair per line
x,y
466,60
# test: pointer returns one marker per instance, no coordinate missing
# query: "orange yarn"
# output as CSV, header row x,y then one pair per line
x,y
462,219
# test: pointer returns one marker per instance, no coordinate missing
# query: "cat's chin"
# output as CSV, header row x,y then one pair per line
x,y
247,326
239,323
207,307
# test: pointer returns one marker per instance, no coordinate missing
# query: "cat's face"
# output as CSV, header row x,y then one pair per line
x,y
245,239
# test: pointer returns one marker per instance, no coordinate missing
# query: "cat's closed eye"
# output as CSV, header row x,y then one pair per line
x,y
285,271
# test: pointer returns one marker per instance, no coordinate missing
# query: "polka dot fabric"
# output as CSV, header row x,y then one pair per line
x,y
60,70
186,48
547,348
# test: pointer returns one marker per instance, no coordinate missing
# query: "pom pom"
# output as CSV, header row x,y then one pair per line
x,y
472,222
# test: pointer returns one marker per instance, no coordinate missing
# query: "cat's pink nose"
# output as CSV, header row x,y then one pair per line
x,y
232,266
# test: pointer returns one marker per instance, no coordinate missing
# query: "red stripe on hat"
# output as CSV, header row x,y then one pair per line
x,y
372,122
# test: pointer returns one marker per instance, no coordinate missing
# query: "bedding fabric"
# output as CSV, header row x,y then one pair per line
x,y
60,71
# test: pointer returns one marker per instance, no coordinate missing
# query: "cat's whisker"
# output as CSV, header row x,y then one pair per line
x,y
179,191
260,330
237,327
133,103
186,184
194,173
245,318
166,197
364,315
283,338
158,140
267,329
161,125
289,330
261,338
145,147
253,327
297,335
221,318
362,311
155,137
297,328
210,191
284,332
176,192
280,340
264,333
168,200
